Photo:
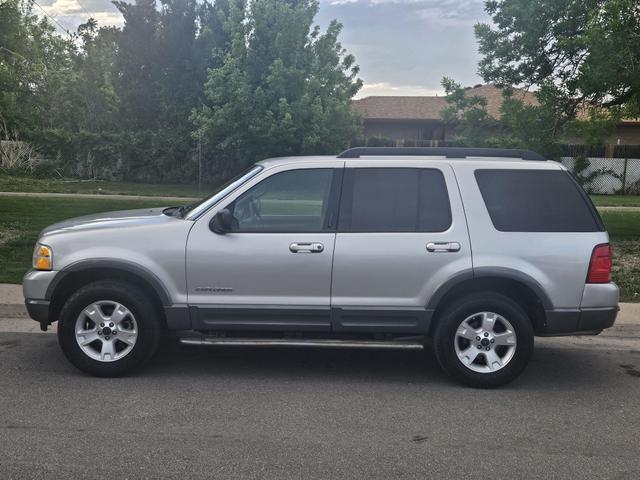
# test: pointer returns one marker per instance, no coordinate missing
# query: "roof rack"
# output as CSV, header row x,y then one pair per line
x,y
448,152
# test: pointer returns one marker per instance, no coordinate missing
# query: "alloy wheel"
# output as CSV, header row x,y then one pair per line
x,y
106,331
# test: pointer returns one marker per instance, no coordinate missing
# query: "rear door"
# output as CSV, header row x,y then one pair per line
x,y
401,234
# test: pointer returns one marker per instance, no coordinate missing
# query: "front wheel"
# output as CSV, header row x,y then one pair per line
x,y
485,340
108,328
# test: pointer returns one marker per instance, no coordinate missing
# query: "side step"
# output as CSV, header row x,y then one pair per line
x,y
302,342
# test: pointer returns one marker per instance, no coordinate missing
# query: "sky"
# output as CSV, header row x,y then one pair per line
x,y
403,47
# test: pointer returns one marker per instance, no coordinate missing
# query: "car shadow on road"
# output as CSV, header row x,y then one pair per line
x,y
550,366
294,363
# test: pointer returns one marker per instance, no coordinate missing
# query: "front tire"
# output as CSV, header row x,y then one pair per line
x,y
108,328
484,340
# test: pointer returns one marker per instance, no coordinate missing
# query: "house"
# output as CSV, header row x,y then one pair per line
x,y
417,118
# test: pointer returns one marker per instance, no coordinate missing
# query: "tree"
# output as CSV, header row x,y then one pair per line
x,y
34,65
284,87
122,102
138,64
579,50
466,116
520,125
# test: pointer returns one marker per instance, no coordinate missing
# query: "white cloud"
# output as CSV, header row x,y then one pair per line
x,y
71,13
386,88
443,12
60,8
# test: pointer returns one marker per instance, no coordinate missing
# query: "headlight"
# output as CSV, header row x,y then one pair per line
x,y
42,257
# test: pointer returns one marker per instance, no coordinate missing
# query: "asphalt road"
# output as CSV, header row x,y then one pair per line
x,y
301,414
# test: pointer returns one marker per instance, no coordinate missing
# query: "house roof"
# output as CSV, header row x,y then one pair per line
x,y
429,108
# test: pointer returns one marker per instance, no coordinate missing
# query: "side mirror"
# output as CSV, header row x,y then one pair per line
x,y
222,222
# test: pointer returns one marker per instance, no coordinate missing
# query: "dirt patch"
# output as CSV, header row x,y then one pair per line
x,y
626,268
8,234
626,254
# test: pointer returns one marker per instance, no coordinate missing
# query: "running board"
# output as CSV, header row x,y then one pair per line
x,y
302,342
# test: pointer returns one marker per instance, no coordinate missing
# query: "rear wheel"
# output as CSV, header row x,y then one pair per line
x,y
484,340
108,328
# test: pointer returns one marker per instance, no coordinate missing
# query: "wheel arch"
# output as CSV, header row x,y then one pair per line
x,y
512,283
82,273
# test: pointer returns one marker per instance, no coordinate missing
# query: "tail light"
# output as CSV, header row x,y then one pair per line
x,y
600,265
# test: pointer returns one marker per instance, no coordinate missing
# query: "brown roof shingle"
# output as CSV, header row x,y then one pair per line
x,y
429,108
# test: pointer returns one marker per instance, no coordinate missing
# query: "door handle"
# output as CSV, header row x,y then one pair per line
x,y
443,247
300,247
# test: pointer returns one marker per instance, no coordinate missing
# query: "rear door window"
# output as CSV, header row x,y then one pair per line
x,y
394,200
536,201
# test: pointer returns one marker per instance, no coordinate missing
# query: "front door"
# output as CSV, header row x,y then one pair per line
x,y
273,270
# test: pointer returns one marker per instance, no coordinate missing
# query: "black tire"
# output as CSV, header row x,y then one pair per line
x,y
455,313
143,309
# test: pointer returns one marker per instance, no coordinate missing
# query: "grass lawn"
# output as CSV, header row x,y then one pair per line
x,y
16,183
624,229
21,219
616,200
13,183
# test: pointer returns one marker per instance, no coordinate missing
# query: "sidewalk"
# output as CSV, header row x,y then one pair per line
x,y
176,200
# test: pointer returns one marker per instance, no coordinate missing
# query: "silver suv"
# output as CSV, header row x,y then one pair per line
x,y
477,249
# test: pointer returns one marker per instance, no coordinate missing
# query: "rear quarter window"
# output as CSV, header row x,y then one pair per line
x,y
536,201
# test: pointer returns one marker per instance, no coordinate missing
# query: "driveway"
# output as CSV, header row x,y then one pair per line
x,y
287,413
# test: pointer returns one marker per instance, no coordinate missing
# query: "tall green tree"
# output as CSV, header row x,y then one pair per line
x,y
579,50
138,63
283,88
519,126
35,63
466,116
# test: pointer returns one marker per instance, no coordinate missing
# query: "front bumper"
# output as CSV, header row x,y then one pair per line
x,y
35,288
585,321
39,311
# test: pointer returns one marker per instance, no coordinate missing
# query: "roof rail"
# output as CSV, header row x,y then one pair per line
x,y
448,152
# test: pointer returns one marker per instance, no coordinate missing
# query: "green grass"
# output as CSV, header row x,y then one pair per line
x,y
22,218
622,224
15,183
616,200
21,183
624,230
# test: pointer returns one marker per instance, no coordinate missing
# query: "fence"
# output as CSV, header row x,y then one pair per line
x,y
606,175
607,170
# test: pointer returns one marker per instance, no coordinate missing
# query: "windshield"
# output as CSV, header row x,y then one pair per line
x,y
195,209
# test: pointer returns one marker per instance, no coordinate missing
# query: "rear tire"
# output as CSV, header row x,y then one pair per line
x,y
483,340
108,328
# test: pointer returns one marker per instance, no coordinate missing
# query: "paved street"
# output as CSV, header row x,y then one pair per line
x,y
239,413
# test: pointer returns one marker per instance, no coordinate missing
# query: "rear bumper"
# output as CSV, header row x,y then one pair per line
x,y
586,321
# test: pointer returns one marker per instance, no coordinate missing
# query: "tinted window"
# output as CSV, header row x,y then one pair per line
x,y
293,201
535,201
394,200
